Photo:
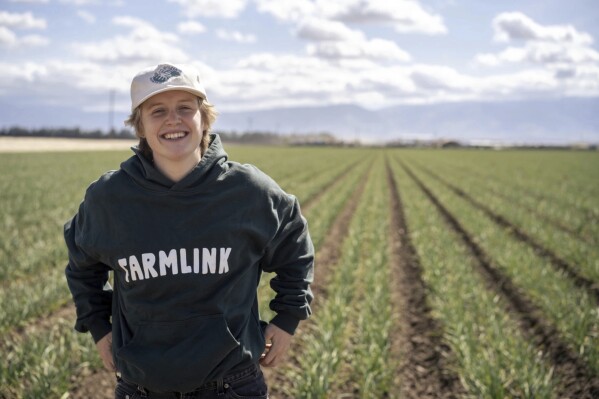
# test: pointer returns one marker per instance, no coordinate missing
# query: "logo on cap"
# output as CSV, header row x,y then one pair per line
x,y
164,73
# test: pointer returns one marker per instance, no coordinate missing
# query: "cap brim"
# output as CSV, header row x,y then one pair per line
x,y
169,88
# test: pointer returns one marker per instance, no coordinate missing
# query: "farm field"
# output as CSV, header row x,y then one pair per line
x,y
439,273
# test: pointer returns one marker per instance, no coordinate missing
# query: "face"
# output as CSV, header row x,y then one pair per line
x,y
172,126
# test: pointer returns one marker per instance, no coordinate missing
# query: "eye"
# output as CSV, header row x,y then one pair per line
x,y
157,111
186,108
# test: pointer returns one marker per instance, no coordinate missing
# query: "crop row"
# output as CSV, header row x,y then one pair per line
x,y
553,311
556,215
345,349
502,305
491,355
563,185
569,178
575,315
581,255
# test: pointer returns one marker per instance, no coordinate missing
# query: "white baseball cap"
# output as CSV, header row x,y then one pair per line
x,y
165,77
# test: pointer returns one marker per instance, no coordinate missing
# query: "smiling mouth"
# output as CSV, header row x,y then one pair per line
x,y
174,135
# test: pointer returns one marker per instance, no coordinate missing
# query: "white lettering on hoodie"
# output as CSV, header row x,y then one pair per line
x,y
169,263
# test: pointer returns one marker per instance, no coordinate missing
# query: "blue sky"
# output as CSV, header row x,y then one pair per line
x,y
262,54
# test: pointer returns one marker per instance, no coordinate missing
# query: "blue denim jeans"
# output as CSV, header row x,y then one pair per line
x,y
245,384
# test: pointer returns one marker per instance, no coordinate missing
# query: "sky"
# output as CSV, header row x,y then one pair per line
x,y
261,54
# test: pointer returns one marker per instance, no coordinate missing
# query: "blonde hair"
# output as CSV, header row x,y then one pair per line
x,y
207,111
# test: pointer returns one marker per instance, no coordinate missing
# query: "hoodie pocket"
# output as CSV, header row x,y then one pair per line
x,y
176,355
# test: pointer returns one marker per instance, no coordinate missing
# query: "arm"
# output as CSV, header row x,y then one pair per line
x,y
87,279
291,256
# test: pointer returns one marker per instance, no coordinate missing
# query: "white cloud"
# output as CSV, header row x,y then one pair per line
x,y
27,72
325,30
560,49
80,84
275,80
378,49
34,40
30,1
212,8
191,27
80,2
10,39
511,26
280,62
235,36
581,80
7,37
519,84
21,21
405,15
335,41
341,64
88,17
288,10
143,44
429,77
541,53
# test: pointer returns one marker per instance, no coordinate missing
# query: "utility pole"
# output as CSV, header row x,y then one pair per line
x,y
111,131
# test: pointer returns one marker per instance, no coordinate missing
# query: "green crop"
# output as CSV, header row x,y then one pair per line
x,y
345,349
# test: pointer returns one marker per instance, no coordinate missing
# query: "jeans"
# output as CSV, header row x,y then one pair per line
x,y
245,384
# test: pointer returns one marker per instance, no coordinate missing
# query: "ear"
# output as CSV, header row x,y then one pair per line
x,y
140,133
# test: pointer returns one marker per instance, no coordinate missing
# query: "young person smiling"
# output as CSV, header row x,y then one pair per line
x,y
187,234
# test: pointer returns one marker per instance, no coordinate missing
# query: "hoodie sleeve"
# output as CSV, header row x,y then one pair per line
x,y
290,255
87,277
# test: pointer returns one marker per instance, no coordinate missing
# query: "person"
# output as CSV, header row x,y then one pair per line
x,y
187,234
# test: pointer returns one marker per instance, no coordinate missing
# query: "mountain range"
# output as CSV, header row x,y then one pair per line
x,y
552,121
561,121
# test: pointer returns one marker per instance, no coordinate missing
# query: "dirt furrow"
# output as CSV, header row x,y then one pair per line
x,y
98,384
574,378
513,199
558,263
423,371
559,225
589,213
330,252
334,182
19,334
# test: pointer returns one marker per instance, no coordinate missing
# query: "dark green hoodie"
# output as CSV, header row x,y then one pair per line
x,y
187,258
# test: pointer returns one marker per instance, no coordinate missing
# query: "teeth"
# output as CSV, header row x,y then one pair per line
x,y
176,135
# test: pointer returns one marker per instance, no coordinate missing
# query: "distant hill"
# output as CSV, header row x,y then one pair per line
x,y
551,121
560,121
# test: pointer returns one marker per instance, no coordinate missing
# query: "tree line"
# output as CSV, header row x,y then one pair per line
x,y
75,132
251,137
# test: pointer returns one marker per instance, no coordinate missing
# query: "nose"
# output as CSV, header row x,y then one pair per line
x,y
173,117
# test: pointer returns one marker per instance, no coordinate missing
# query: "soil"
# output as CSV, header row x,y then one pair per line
x,y
326,258
423,372
417,337
558,263
99,384
574,378
336,181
